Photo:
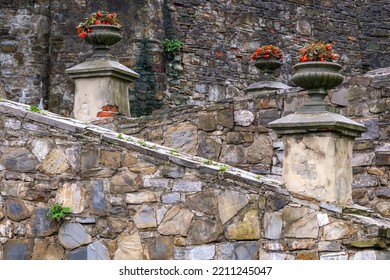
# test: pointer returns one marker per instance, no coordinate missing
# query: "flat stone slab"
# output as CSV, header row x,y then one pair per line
x,y
73,235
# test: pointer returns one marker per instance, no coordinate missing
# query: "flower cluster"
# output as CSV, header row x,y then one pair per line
x,y
318,51
99,17
267,51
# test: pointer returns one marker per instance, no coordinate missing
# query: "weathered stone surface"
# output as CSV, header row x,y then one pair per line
x,y
229,203
369,242
383,192
174,171
110,159
330,246
382,158
292,214
72,195
275,246
362,159
55,163
12,188
111,226
239,137
73,155
337,230
89,159
141,197
129,247
187,186
307,256
371,255
177,220
161,248
156,183
263,255
206,122
99,202
306,227
19,160
232,154
383,208
225,118
273,225
129,160
276,203
182,137
170,198
364,181
334,256
261,151
6,229
243,117
73,235
94,251
204,252
47,251
145,217
205,201
16,210
301,244
40,224
209,148
244,227
238,251
18,249
125,181
322,219
41,147
204,231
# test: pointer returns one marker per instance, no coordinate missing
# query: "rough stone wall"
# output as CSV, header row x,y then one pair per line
x,y
235,131
132,199
39,42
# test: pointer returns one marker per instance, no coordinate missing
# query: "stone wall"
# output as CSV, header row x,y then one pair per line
x,y
39,41
132,199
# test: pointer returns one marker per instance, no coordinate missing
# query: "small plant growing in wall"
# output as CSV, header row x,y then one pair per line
x,y
223,168
57,212
174,152
172,46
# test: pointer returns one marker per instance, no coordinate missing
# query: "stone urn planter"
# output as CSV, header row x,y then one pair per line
x,y
267,66
317,77
102,36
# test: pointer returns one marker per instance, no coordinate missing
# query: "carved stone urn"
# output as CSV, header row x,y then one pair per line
x,y
102,37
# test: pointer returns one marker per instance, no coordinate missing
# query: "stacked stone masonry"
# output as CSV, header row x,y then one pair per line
x,y
218,38
133,199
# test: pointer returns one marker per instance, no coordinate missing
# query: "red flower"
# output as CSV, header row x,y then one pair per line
x,y
89,30
97,22
99,14
83,34
329,46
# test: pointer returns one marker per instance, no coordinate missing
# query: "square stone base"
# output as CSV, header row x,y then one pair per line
x,y
319,165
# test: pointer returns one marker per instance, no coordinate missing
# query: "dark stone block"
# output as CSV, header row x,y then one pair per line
x,y
78,254
98,198
277,203
382,158
16,210
40,224
18,250
19,160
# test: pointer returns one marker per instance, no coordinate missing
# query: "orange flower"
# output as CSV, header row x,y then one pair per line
x,y
329,46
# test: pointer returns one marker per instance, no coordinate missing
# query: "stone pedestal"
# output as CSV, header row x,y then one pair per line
x,y
98,82
318,154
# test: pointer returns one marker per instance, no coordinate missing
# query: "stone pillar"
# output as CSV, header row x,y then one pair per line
x,y
318,154
98,82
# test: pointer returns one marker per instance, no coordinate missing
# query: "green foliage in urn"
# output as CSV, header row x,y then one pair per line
x,y
99,17
57,212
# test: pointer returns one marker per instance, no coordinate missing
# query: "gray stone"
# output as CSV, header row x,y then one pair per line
x,y
383,208
98,196
276,203
232,154
177,220
12,124
16,210
267,116
243,117
273,256
6,229
125,181
372,126
329,246
238,251
334,256
89,159
170,198
141,197
40,224
174,171
382,158
161,248
94,251
145,217
306,227
304,27
239,137
204,252
204,201
208,148
364,181
55,163
73,235
204,231
364,159
19,160
74,157
261,151
225,118
292,214
273,225
157,183
41,147
383,192
187,186
229,203
18,249
12,188
86,220
182,137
